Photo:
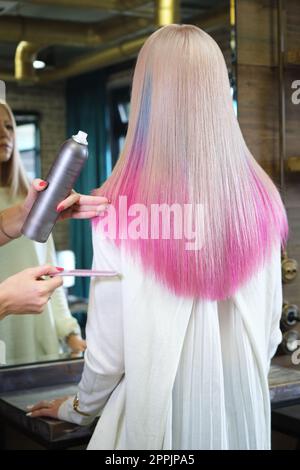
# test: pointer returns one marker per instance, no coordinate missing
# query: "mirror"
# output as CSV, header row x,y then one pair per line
x,y
98,102
31,338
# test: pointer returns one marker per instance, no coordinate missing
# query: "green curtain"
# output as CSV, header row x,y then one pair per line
x,y
86,105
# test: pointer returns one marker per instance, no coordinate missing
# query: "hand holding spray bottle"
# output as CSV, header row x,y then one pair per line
x,y
61,178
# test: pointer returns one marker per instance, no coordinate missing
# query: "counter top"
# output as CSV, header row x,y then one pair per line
x,y
27,385
284,384
51,433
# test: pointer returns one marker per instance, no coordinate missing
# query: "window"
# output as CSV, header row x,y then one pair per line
x,y
28,141
119,101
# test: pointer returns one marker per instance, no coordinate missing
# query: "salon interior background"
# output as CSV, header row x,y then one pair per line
x,y
89,49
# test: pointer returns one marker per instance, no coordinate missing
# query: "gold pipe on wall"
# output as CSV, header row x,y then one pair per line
x,y
78,32
167,12
26,53
114,54
232,12
93,61
26,50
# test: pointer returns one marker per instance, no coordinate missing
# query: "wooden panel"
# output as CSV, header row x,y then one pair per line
x,y
293,27
258,112
256,32
222,37
292,113
292,291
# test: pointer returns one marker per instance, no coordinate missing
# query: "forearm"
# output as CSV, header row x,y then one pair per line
x,y
93,392
65,323
11,222
3,303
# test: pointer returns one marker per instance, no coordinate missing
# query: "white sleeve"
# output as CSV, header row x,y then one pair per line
x,y
275,331
104,358
93,392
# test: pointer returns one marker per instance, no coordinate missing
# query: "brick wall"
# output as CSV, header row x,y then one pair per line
x,y
49,103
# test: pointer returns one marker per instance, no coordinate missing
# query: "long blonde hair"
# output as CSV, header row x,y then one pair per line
x,y
184,145
12,172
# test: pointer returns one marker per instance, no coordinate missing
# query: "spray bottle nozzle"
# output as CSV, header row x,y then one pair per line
x,y
80,137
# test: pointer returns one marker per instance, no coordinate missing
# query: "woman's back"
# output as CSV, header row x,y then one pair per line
x,y
195,371
221,395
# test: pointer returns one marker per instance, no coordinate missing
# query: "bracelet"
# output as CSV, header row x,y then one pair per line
x,y
2,229
76,405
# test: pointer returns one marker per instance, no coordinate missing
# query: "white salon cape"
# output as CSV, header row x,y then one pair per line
x,y
165,372
32,337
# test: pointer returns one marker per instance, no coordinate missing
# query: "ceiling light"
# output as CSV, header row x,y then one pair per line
x,y
39,64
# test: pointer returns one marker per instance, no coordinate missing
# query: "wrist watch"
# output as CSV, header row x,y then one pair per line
x,y
76,405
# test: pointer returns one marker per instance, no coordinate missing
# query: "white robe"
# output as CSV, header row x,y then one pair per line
x,y
167,372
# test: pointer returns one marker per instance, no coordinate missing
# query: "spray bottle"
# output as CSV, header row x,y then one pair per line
x,y
61,178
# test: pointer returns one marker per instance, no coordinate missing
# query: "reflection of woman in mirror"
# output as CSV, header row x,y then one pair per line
x,y
28,337
179,347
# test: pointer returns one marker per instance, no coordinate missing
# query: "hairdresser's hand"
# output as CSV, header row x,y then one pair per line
x,y
26,292
46,408
76,206
76,343
37,185
80,206
13,218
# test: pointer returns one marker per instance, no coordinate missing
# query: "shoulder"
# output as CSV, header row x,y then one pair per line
x,y
106,253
